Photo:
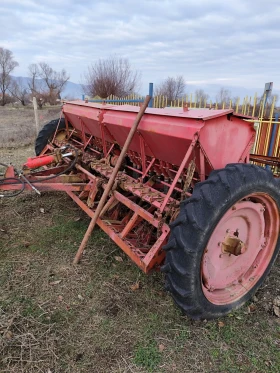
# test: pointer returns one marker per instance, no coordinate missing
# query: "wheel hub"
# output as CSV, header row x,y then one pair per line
x,y
233,245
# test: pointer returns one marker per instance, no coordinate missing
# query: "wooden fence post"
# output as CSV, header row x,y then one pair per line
x,y
36,115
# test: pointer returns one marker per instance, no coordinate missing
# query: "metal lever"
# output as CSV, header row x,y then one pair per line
x,y
28,182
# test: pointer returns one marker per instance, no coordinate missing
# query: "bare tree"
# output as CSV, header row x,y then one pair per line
x,y
55,80
7,65
46,83
270,99
111,76
261,100
235,101
34,85
19,90
223,96
201,96
172,88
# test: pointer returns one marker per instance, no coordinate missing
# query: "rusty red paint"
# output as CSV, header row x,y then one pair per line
x,y
10,172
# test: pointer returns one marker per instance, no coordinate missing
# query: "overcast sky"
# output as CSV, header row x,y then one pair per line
x,y
231,43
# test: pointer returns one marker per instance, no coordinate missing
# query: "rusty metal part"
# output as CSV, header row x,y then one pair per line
x,y
46,159
264,159
143,190
188,180
114,160
233,245
95,187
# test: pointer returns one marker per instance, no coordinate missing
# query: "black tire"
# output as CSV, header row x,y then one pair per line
x,y
191,231
47,133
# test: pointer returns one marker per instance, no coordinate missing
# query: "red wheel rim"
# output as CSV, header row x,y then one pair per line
x,y
240,249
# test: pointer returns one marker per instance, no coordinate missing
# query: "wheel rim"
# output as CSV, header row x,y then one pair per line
x,y
240,249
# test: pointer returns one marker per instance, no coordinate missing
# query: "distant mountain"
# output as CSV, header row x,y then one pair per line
x,y
71,90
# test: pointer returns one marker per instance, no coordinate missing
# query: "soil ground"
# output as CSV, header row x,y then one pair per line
x,y
104,315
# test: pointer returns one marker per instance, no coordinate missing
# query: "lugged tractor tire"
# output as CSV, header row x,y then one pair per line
x,y
191,251
46,134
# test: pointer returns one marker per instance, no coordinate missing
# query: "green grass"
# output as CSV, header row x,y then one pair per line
x,y
147,356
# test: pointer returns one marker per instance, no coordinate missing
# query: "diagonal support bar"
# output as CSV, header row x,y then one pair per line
x,y
111,180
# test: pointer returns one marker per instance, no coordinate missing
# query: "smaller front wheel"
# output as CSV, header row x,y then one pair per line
x,y
224,241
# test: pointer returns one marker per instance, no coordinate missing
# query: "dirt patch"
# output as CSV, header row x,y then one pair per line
x,y
16,156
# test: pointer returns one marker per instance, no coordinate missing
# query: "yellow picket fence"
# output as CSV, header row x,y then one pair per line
x,y
261,113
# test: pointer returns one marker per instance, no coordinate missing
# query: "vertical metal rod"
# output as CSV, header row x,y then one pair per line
x,y
237,104
268,129
273,136
259,137
111,180
202,165
58,123
254,106
143,154
275,151
151,93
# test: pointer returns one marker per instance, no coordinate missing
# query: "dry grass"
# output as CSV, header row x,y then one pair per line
x,y
17,125
56,317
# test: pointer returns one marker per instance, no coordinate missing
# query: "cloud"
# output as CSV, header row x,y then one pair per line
x,y
215,42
